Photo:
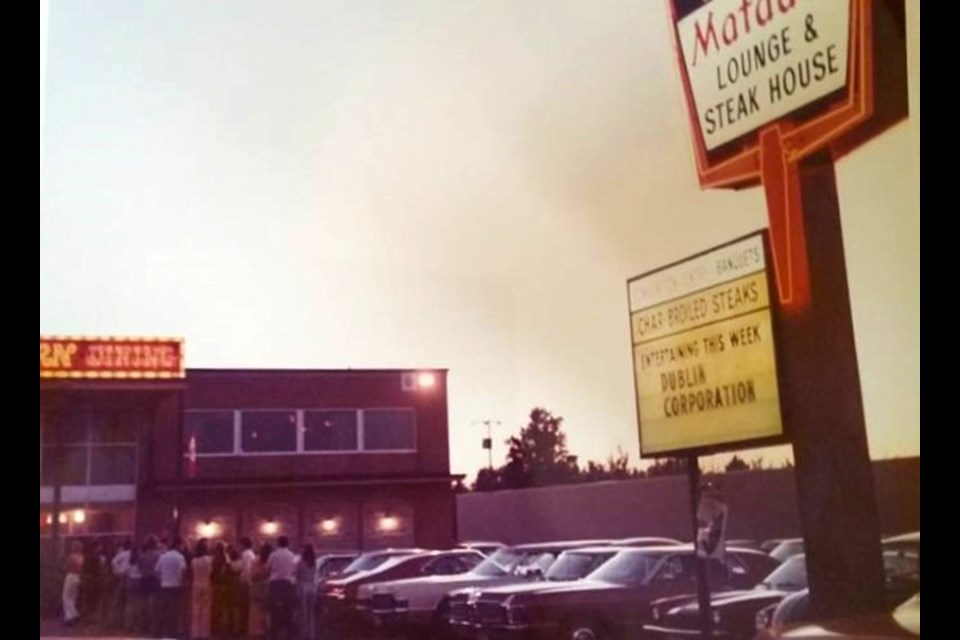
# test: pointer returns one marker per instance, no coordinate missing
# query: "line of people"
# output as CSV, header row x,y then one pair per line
x,y
212,591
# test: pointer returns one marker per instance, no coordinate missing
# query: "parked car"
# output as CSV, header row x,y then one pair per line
x,y
734,613
344,605
646,541
902,571
485,547
330,565
613,601
422,601
787,548
573,564
903,622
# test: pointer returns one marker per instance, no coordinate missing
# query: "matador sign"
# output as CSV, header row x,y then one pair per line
x,y
768,83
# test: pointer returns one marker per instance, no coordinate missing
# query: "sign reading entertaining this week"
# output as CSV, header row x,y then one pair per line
x,y
117,358
703,351
752,61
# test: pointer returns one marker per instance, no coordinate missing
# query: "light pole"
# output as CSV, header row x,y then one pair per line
x,y
488,440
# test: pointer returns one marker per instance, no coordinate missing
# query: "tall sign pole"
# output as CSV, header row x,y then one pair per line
x,y
776,89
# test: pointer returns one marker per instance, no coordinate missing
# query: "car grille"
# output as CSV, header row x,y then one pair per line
x,y
459,612
491,613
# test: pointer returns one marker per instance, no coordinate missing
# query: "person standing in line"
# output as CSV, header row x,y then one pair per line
x,y
171,567
218,607
306,575
149,587
133,613
247,558
71,583
259,620
201,592
281,590
91,583
120,568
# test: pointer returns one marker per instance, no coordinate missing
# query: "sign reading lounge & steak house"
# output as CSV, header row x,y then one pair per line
x,y
750,62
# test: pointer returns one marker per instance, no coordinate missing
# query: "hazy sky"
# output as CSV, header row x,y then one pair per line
x,y
469,184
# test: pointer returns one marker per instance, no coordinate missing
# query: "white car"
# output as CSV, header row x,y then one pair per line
x,y
422,601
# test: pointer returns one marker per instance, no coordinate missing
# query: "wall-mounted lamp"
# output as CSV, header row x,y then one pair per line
x,y
329,526
388,523
208,529
426,380
269,528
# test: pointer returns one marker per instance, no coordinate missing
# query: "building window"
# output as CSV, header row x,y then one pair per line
x,y
238,432
113,465
99,448
268,431
211,431
330,431
388,430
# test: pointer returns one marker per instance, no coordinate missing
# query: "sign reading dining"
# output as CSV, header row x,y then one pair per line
x,y
111,358
703,351
752,61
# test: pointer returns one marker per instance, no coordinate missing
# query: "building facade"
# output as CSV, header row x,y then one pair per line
x,y
344,459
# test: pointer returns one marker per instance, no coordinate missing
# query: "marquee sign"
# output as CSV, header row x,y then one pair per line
x,y
125,358
703,352
768,83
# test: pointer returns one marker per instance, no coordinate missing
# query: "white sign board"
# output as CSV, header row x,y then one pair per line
x,y
703,351
750,62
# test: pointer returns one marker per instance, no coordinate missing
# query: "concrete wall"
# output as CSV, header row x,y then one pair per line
x,y
762,505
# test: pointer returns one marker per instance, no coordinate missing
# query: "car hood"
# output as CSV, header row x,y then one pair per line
x,y
574,587
447,583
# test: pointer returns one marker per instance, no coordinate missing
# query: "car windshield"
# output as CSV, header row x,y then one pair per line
x,y
789,576
573,565
501,563
367,561
628,567
328,566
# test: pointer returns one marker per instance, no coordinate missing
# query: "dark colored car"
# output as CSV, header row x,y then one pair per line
x,y
902,570
574,564
613,601
734,613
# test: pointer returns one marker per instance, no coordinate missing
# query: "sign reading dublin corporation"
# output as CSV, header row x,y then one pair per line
x,y
703,351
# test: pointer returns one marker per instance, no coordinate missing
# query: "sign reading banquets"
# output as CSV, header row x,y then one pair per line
x,y
750,62
703,352
129,358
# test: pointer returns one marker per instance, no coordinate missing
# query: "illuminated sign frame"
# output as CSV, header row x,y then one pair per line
x,y
114,358
703,341
772,153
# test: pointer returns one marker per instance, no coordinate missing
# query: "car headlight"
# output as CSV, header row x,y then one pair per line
x,y
764,618
473,596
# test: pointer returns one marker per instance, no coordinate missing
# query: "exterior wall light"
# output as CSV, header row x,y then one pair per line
x,y
426,380
388,524
269,528
208,529
329,526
